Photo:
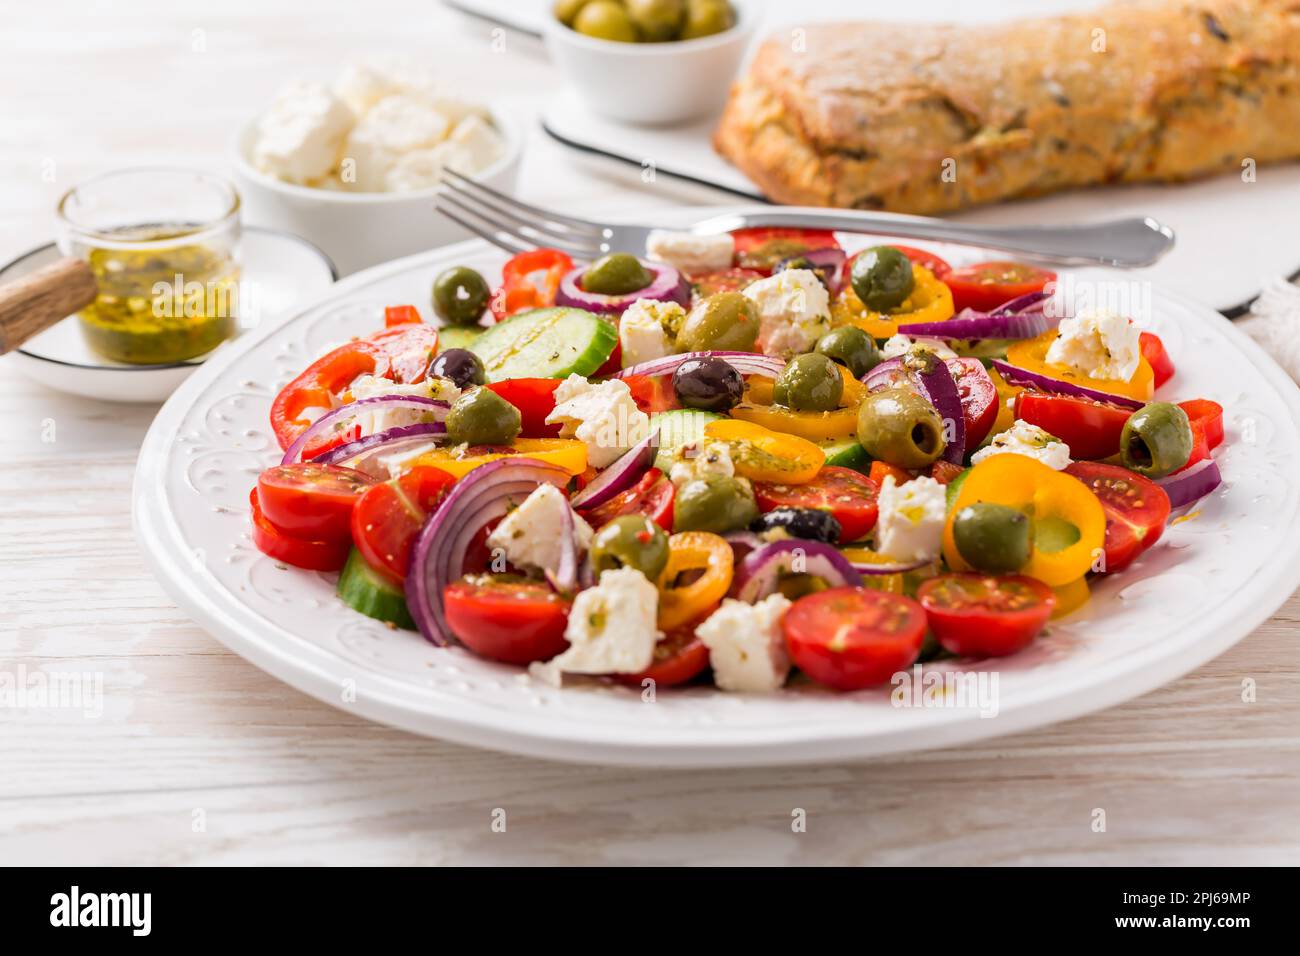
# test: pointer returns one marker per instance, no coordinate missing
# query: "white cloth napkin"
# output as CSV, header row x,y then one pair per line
x,y
1274,322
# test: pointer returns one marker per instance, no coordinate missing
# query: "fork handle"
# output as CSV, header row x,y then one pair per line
x,y
1126,243
34,302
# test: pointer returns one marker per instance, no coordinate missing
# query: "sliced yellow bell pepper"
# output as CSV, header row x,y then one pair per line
x,y
459,460
1070,597
815,426
930,301
1031,355
761,454
1069,524
693,551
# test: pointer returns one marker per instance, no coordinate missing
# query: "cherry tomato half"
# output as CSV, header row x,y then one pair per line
x,y
1136,510
679,657
535,399
308,500
515,621
300,552
652,393
850,638
986,285
979,397
1091,429
762,247
652,496
848,495
723,280
979,615
389,516
1153,350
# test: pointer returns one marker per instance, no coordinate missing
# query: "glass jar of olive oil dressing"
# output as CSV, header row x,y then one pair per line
x,y
164,247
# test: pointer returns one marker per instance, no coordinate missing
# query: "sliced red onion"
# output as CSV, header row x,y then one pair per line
x,y
667,286
337,419
1019,376
761,570
565,577
932,377
969,324
361,453
827,263
621,475
887,567
1192,484
746,363
1024,303
487,492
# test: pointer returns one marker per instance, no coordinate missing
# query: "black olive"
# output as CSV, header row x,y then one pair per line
x,y
462,366
709,384
800,523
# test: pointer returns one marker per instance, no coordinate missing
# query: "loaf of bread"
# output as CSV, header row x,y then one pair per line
x,y
926,119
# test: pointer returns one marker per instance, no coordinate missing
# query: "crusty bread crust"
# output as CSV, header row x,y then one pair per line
x,y
928,119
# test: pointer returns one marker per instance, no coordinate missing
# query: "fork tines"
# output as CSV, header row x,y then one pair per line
x,y
513,225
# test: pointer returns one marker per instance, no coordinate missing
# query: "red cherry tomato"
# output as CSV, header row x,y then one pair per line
x,y
652,496
396,315
308,500
535,399
880,470
389,516
848,495
1091,429
652,393
945,471
1153,350
300,552
679,657
987,285
1136,510
979,397
514,621
977,615
762,247
723,280
849,638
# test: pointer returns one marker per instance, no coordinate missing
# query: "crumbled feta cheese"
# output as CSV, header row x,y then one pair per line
x,y
400,462
746,646
911,519
793,311
690,253
647,329
611,627
604,417
396,125
1022,438
901,345
531,535
480,141
418,169
691,463
300,137
365,82
1098,344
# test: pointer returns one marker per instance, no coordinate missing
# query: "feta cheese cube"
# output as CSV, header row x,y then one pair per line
x,y
1022,438
912,515
691,463
604,417
480,140
301,136
690,253
611,627
396,125
793,311
746,646
647,330
1098,344
531,536
900,345
365,82
418,169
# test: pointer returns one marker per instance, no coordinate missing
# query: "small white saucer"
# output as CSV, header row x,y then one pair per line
x,y
283,269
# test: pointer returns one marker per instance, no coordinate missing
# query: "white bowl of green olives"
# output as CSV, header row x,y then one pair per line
x,y
650,62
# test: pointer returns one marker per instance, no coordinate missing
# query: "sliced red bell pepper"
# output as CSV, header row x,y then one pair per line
x,y
395,315
1153,350
530,281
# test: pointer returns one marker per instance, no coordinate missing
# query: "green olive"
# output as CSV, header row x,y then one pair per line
x,y
566,11
630,541
1156,440
482,417
852,348
810,383
616,274
605,20
900,427
882,277
707,17
993,538
657,20
724,322
460,295
714,503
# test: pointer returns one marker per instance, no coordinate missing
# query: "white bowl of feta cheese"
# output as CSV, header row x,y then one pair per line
x,y
353,166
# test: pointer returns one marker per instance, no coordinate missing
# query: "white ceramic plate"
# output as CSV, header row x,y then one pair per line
x,y
1211,580
280,270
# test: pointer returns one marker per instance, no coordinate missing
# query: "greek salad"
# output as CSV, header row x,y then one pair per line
x,y
732,459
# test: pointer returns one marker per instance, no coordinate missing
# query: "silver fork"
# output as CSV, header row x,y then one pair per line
x,y
517,226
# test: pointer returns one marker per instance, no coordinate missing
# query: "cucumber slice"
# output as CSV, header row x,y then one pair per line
x,y
678,427
846,453
364,589
953,489
457,336
546,343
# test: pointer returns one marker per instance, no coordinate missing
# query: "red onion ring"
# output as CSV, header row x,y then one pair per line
x,y
1015,375
933,379
366,449
969,324
667,286
1192,484
487,492
331,419
620,475
758,574
746,363
827,263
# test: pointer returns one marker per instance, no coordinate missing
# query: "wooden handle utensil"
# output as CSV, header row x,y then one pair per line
x,y
34,302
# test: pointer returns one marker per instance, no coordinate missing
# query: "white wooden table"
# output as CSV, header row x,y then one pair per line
x,y
199,757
